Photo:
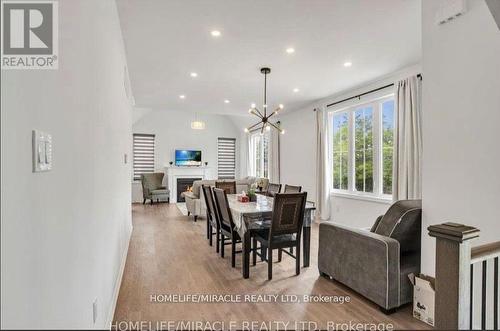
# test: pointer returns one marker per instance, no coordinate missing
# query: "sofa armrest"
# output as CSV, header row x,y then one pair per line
x,y
366,262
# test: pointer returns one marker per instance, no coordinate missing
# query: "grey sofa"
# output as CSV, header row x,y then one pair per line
x,y
195,203
375,263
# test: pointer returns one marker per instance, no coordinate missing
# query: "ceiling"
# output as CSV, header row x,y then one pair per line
x,y
167,40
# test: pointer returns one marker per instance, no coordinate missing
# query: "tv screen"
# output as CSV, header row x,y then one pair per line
x,y
187,158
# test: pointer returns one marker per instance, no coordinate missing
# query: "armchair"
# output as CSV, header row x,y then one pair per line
x,y
375,263
152,187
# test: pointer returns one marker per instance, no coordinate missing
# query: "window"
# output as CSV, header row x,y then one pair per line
x,y
362,148
340,150
226,158
144,154
259,155
387,145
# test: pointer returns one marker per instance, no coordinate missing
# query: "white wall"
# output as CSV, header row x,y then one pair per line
x,y
64,232
298,153
461,105
173,131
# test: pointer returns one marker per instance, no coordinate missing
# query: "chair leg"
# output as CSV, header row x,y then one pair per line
x,y
144,201
217,241
269,263
254,251
263,253
280,254
195,218
297,259
222,239
151,201
233,253
210,234
189,213
291,250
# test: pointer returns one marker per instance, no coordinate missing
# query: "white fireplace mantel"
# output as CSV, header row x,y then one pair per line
x,y
173,173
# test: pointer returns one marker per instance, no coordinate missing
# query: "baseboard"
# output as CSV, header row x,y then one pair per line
x,y
118,284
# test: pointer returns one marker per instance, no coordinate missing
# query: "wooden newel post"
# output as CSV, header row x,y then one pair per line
x,y
453,251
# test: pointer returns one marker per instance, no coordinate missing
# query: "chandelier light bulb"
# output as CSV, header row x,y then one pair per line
x,y
268,128
281,106
282,132
265,106
250,111
246,130
252,105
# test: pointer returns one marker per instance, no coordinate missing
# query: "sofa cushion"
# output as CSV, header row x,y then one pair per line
x,y
160,192
392,219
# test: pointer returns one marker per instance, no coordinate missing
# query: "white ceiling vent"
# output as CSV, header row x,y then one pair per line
x,y
449,10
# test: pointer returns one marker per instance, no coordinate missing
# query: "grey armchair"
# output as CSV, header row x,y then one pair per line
x,y
375,263
152,187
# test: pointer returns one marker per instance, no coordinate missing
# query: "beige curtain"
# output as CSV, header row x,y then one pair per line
x,y
323,182
407,169
274,156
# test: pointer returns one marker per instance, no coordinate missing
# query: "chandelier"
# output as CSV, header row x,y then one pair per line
x,y
264,122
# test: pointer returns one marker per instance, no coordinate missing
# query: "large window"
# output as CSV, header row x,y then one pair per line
x,y
362,148
226,158
144,154
259,155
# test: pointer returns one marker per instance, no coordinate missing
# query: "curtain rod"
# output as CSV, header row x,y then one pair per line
x,y
365,93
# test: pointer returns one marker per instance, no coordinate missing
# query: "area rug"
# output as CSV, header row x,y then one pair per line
x,y
182,208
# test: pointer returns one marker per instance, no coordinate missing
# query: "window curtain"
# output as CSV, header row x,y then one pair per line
x,y
274,156
323,173
251,150
407,168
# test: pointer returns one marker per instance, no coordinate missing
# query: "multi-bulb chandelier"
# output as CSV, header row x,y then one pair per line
x,y
264,123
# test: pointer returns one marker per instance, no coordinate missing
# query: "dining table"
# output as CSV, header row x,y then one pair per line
x,y
249,217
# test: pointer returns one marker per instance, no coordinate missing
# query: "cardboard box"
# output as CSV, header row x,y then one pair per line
x,y
423,298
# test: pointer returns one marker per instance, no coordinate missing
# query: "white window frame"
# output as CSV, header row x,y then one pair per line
x,y
376,104
254,158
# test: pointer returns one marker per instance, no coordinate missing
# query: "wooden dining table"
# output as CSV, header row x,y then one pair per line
x,y
249,216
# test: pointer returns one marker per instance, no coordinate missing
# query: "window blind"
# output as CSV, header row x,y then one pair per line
x,y
226,158
144,154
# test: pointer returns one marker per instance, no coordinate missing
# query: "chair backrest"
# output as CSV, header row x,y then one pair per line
x,y
209,202
225,216
272,189
228,186
292,189
151,182
403,222
288,213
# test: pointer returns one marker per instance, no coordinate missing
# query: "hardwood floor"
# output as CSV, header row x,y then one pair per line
x,y
169,254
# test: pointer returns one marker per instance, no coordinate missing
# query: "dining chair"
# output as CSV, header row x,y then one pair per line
x,y
272,189
285,230
227,227
212,217
292,189
228,186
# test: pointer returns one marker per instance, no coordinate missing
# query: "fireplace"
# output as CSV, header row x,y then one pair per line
x,y
183,185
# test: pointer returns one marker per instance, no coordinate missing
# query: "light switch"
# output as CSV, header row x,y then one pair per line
x,y
42,151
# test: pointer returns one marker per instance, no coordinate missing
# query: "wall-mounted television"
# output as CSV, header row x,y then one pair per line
x,y
187,157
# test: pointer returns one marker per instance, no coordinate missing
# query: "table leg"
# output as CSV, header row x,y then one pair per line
x,y
246,254
306,241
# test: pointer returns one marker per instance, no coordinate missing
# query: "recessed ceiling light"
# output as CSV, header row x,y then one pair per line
x,y
290,50
215,33
226,101
193,74
182,96
295,90
347,64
